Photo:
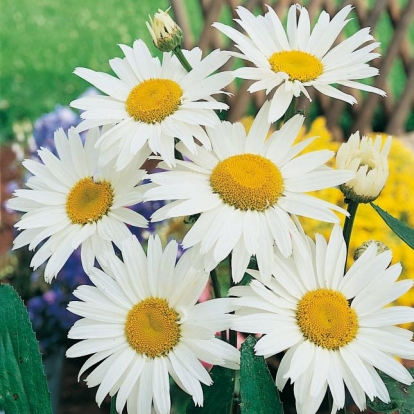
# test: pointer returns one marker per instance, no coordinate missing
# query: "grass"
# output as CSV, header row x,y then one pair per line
x,y
43,41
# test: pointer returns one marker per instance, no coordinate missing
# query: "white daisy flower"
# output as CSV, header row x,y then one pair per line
x,y
369,162
245,189
153,102
292,61
336,329
71,202
141,319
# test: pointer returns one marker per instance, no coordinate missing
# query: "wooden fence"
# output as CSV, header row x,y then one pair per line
x,y
393,114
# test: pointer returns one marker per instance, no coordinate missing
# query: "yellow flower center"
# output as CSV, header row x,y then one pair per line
x,y
152,327
89,201
301,66
153,100
326,319
247,182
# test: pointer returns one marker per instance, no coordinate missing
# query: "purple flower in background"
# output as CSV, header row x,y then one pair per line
x,y
45,126
62,117
50,319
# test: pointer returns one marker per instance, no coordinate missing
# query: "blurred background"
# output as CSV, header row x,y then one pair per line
x,y
42,42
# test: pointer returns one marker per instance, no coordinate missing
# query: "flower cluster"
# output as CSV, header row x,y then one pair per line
x,y
154,136
47,303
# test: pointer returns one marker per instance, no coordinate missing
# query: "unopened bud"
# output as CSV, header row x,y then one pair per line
x,y
381,247
369,162
165,32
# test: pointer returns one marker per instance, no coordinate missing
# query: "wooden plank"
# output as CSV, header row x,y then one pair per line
x,y
181,18
367,110
396,124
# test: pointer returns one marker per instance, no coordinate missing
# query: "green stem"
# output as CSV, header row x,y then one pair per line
x,y
179,53
217,294
233,338
215,283
232,334
291,111
113,405
330,404
330,401
177,154
349,222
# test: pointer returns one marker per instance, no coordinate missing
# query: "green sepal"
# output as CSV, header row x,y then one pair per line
x,y
218,397
258,393
401,395
404,232
23,386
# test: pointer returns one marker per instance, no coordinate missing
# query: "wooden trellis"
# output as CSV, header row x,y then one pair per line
x,y
394,110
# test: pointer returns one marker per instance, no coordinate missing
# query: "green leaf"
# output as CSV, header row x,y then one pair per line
x,y
404,232
218,397
23,387
401,395
258,393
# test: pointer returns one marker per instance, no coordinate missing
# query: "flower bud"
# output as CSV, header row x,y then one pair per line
x,y
369,162
381,247
165,32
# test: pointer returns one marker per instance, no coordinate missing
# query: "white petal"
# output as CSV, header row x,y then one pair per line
x,y
280,103
106,83
161,386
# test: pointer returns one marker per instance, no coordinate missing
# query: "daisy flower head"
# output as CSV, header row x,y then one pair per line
x,y
246,188
290,62
337,329
142,320
150,102
369,161
72,201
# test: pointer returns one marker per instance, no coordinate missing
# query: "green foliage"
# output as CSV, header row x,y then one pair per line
x,y
22,379
258,393
401,395
404,232
43,41
218,398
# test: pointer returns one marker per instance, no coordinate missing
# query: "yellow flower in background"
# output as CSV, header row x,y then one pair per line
x,y
397,198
